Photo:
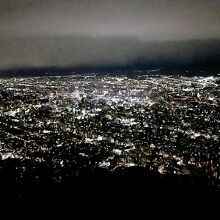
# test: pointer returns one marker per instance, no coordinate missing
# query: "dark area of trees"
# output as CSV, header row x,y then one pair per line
x,y
21,180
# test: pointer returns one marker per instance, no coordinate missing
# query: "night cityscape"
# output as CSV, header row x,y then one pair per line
x,y
75,125
109,95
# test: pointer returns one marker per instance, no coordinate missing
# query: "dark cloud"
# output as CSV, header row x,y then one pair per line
x,y
107,32
105,51
144,19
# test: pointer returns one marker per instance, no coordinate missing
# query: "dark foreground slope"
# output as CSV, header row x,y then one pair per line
x,y
100,184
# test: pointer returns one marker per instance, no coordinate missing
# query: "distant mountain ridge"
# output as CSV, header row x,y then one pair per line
x,y
39,56
99,71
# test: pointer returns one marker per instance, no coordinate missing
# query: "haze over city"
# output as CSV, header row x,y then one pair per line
x,y
161,33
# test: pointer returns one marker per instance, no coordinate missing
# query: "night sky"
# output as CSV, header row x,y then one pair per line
x,y
45,33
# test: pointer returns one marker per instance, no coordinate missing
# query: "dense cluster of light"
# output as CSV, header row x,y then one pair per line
x,y
170,124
